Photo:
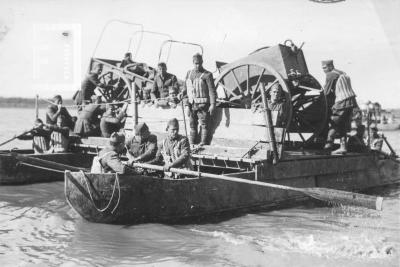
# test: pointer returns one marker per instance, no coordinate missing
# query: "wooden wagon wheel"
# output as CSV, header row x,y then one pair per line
x,y
117,86
242,82
307,111
310,109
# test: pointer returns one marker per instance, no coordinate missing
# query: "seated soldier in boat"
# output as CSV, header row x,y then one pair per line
x,y
59,138
109,159
277,105
142,147
356,138
376,140
40,137
165,87
88,122
55,110
113,119
174,151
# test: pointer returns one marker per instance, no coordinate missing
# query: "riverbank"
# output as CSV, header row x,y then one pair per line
x,y
21,102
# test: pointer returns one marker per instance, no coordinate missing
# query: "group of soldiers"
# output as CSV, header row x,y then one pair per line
x,y
199,98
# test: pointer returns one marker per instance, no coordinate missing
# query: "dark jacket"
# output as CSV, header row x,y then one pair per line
x,y
90,83
144,151
162,85
111,162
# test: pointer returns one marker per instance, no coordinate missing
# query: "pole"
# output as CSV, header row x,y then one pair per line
x,y
324,194
37,107
135,104
269,126
184,118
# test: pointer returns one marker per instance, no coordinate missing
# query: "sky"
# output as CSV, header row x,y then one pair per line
x,y
361,36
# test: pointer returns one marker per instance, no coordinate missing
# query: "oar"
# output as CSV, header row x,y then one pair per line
x,y
17,136
324,194
46,163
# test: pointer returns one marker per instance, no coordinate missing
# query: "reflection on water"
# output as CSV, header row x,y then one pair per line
x,y
38,228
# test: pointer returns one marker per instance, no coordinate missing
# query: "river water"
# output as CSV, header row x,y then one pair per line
x,y
38,228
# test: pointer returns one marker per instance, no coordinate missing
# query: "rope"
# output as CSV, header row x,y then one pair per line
x,y
112,195
100,104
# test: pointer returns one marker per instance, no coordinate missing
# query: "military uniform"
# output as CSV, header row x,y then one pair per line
x,y
88,120
174,152
59,139
200,91
111,122
51,116
143,150
88,86
111,162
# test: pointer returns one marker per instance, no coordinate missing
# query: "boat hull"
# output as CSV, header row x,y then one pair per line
x,y
15,172
143,199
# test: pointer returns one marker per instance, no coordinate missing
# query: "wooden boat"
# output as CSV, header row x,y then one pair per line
x,y
132,199
21,166
246,144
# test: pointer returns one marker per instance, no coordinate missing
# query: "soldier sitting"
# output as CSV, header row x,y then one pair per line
x,y
59,138
109,159
174,151
40,137
376,140
142,147
165,87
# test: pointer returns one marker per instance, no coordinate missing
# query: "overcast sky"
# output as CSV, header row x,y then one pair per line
x,y
362,36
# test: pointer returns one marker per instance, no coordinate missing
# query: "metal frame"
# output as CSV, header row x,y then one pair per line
x,y
169,37
108,24
178,42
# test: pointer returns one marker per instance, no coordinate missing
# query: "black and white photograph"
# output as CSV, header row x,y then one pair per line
x,y
200,133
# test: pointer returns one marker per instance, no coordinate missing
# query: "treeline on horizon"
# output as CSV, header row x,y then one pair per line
x,y
22,102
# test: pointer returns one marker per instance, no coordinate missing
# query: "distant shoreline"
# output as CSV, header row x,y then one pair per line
x,y
21,102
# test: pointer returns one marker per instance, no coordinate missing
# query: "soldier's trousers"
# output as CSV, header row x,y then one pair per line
x,y
340,123
198,114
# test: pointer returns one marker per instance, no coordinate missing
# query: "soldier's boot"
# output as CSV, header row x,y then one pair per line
x,y
192,137
343,147
204,137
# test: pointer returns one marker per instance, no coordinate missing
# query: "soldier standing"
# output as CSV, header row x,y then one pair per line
x,y
341,101
200,92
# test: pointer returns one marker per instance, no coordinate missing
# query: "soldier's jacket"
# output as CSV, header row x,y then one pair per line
x,y
111,162
144,151
176,152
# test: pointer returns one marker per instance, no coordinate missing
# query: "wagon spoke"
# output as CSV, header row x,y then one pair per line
x,y
226,89
258,83
236,81
248,80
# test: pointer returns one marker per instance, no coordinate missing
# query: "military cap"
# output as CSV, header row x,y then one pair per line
x,y
57,98
116,139
128,54
327,62
141,129
198,56
173,122
162,64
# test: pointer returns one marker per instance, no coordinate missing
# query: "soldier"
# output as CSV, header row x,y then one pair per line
x,y
88,123
341,101
59,138
165,87
376,139
127,59
40,137
200,92
143,146
113,119
277,105
174,150
55,110
109,159
90,83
